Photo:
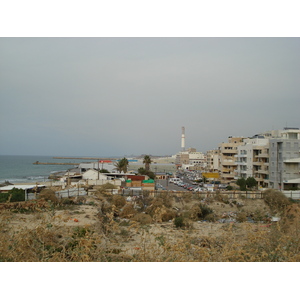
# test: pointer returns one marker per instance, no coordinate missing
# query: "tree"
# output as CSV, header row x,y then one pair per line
x,y
104,171
241,183
147,161
17,195
251,182
142,171
122,165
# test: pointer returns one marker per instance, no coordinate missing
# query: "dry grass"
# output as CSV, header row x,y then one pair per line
x,y
148,235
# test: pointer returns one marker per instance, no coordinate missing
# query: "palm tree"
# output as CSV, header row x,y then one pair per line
x,y
122,165
147,161
125,164
118,166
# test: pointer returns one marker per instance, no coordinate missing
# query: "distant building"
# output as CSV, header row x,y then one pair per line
x,y
227,158
212,160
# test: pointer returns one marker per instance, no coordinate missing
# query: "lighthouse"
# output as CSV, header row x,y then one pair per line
x,y
183,139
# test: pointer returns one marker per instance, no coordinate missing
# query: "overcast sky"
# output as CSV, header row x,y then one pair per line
x,y
122,96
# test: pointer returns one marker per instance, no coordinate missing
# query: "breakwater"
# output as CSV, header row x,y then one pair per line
x,y
52,163
85,158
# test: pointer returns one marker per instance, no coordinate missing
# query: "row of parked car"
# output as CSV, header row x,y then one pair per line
x,y
187,186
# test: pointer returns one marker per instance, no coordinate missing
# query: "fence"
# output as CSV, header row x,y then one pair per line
x,y
295,195
204,194
71,193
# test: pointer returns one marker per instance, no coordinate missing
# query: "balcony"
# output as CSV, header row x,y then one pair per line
x,y
241,163
263,171
263,155
228,162
258,163
231,151
227,176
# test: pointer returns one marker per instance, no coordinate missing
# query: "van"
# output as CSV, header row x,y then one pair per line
x,y
174,180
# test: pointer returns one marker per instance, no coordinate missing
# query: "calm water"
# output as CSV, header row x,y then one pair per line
x,y
20,168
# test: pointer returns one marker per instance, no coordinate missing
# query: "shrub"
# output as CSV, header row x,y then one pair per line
x,y
107,186
168,215
276,200
142,218
118,200
48,194
210,218
128,211
205,210
241,183
195,212
241,217
17,195
179,222
3,197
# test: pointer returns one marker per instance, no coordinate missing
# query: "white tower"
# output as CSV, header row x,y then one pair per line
x,y
183,139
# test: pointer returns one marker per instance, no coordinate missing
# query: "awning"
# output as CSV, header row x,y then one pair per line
x,y
23,187
292,161
297,180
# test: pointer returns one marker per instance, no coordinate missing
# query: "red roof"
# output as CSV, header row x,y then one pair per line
x,y
136,177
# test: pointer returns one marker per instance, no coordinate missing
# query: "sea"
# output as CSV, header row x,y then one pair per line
x,y
20,168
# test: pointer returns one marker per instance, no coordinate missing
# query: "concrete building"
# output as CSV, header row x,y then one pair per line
x,y
252,160
212,160
284,170
197,158
227,158
272,158
190,159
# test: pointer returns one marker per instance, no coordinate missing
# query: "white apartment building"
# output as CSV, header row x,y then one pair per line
x,y
253,160
272,158
284,170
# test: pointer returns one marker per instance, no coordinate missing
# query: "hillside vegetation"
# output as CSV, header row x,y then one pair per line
x,y
187,228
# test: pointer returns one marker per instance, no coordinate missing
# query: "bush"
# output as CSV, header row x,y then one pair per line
x,y
118,201
210,218
15,195
168,215
128,211
179,222
205,210
48,194
107,186
241,217
276,200
241,183
142,218
3,197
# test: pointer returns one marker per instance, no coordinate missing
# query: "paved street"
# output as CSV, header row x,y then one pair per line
x,y
170,186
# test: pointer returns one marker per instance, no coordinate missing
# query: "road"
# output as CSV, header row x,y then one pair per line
x,y
170,186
